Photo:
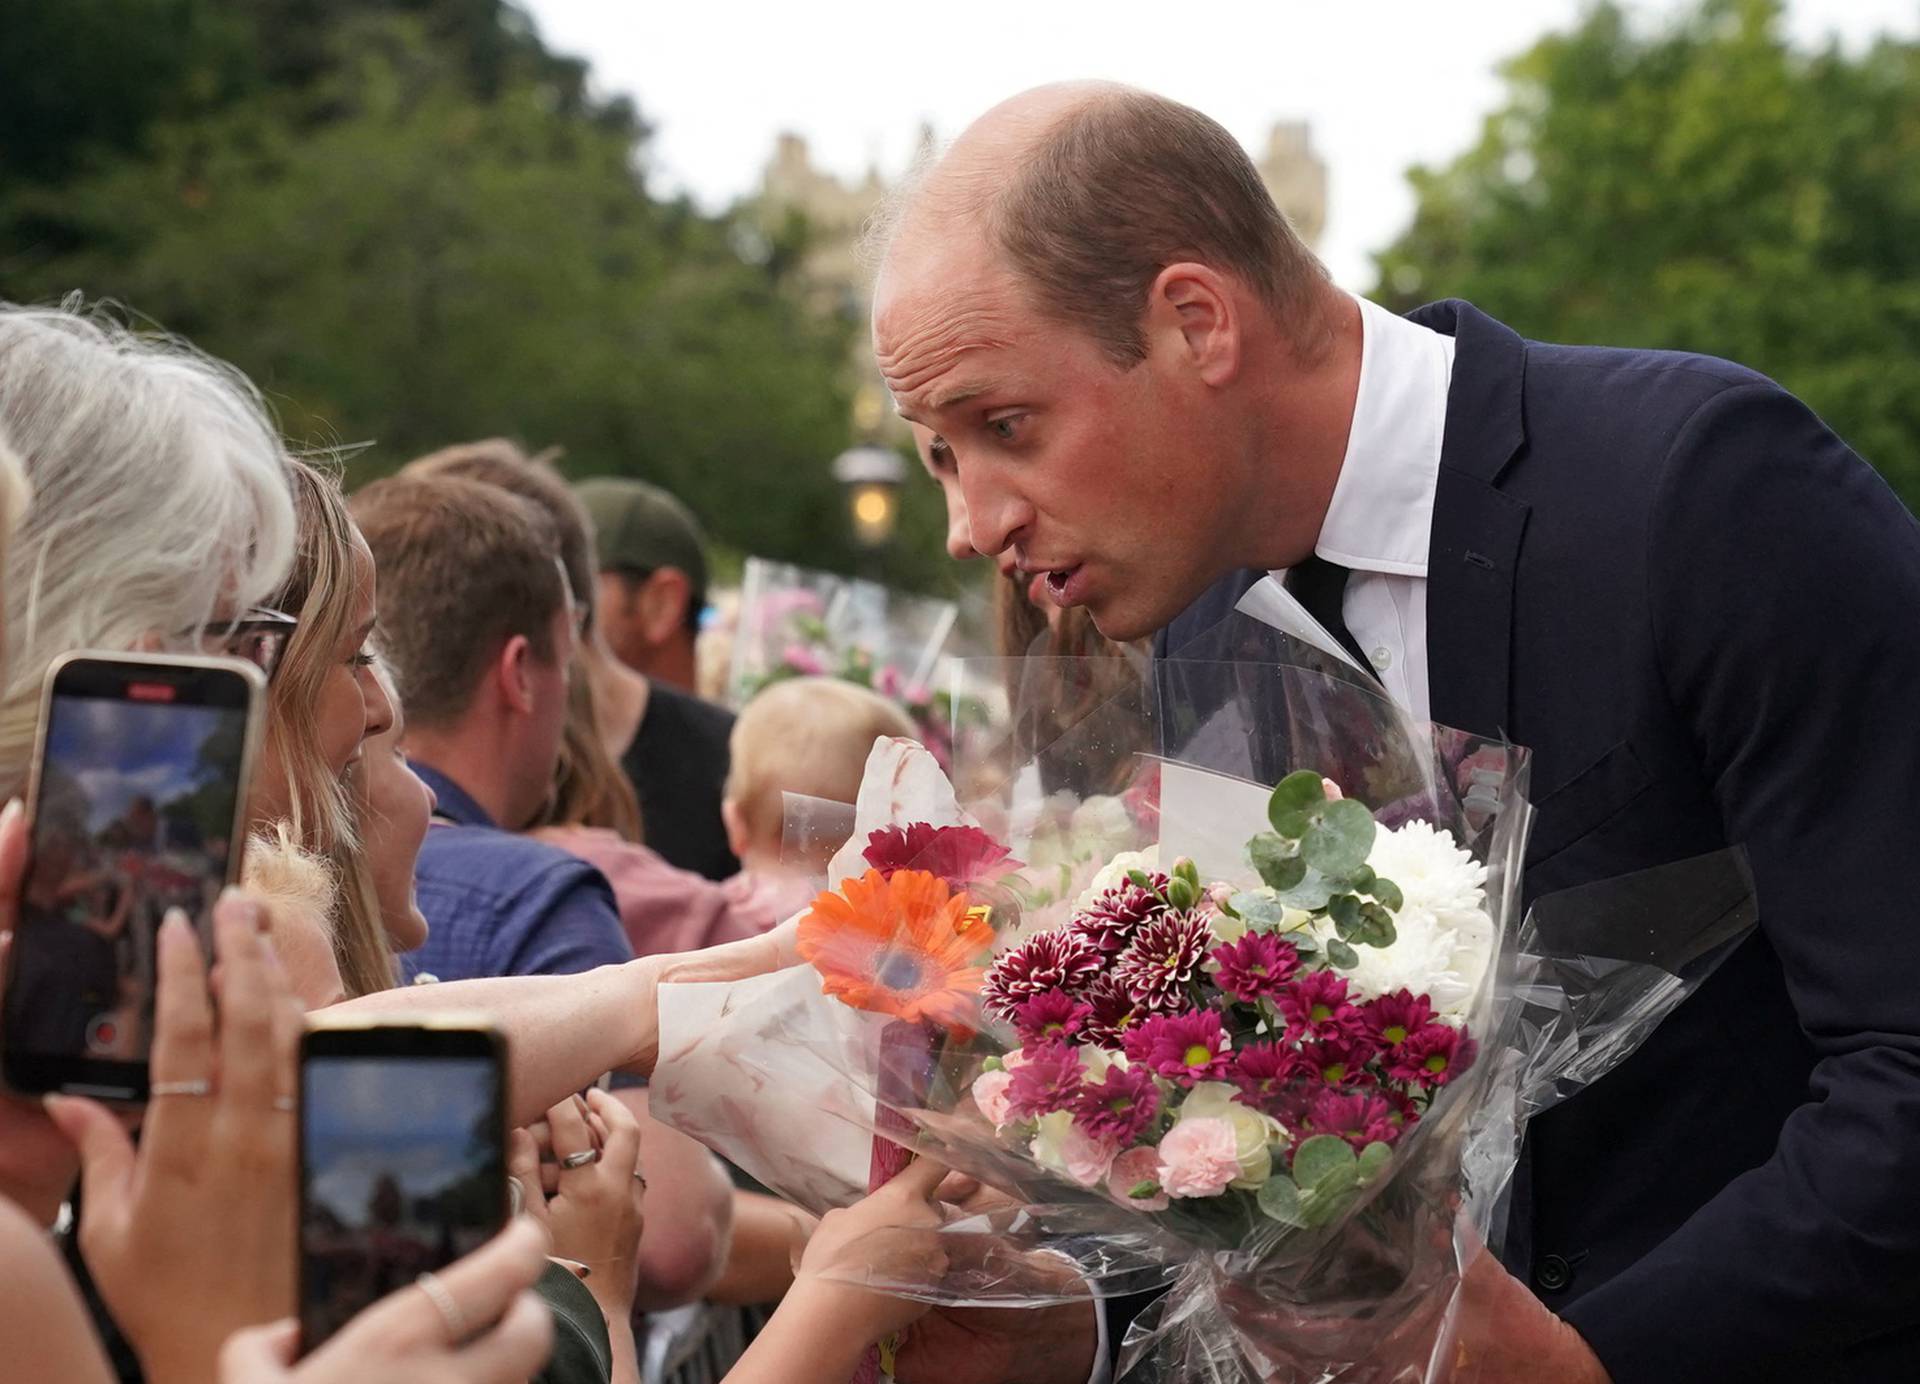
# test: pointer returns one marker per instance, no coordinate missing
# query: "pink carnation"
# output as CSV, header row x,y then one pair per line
x,y
1132,1169
1198,1158
1085,1158
990,1095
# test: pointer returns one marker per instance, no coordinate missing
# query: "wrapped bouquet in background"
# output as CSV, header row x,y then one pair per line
x,y
796,622
1263,1059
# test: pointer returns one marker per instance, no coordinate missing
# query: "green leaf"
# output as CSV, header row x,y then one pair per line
x,y
1341,956
1297,792
1321,1157
1374,1159
1143,880
1388,893
1362,879
1279,1199
1337,841
1291,823
1276,860
1344,909
1140,1191
1311,893
1257,911
1375,927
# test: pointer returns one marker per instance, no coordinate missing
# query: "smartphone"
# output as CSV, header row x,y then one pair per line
x,y
403,1159
137,805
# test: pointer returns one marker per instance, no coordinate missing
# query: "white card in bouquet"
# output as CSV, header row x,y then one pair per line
x,y
1208,818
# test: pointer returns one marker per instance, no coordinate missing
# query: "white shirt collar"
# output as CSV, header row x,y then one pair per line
x,y
1380,518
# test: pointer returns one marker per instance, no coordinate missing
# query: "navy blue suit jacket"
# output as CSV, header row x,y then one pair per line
x,y
1697,606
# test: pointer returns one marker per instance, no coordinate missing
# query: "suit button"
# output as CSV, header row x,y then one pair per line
x,y
1552,1274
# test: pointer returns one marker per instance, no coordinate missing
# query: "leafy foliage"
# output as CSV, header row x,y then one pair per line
x,y
1703,188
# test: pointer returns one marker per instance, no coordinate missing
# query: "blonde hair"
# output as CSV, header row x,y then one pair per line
x,y
589,788
161,489
322,816
297,887
809,736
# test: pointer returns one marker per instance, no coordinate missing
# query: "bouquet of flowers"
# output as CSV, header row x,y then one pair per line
x,y
1264,1060
794,622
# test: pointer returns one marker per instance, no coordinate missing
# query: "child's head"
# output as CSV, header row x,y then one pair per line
x,y
806,735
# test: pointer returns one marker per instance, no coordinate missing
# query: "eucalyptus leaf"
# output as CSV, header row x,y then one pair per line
x,y
1292,822
1296,792
1344,909
1276,860
1362,879
1340,956
1322,1156
1311,893
1259,911
1279,1199
1388,893
1336,842
1374,1159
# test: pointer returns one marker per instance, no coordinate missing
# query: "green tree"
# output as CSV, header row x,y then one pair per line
x,y
412,225
1706,187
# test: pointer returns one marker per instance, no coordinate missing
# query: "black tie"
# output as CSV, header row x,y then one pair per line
x,y
1320,587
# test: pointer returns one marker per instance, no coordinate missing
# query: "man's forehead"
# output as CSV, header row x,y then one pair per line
x,y
935,324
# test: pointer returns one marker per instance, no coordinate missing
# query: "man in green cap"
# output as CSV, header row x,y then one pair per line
x,y
653,576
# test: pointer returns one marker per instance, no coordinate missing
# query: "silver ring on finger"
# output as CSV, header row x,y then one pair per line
x,y
443,1302
199,1086
580,1159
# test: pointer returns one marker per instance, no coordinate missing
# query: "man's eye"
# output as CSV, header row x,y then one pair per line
x,y
1003,428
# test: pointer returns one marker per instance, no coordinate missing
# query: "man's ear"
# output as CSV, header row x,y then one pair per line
x,y
663,604
513,675
1194,310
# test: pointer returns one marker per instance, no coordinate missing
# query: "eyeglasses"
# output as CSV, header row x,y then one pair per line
x,y
260,637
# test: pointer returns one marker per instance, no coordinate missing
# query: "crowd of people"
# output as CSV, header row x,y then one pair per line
x,y
483,767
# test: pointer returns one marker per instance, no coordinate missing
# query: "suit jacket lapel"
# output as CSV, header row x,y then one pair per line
x,y
1477,528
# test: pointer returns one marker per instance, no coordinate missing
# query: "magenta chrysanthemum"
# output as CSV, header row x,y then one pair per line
x,y
1119,1107
1339,1061
1186,1047
1359,1117
1114,1013
1255,967
1434,1056
1270,1076
1160,962
1316,1007
1055,960
959,855
1392,1019
1050,1015
1111,920
1045,1081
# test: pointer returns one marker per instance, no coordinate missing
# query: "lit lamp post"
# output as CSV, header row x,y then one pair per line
x,y
873,477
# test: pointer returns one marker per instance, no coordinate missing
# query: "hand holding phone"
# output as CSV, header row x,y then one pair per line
x,y
138,806
190,1236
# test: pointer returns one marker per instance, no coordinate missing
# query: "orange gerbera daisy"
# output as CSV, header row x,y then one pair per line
x,y
903,945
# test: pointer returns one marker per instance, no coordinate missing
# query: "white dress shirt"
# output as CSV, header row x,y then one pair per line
x,y
1379,523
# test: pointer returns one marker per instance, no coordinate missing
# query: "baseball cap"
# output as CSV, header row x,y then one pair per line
x,y
641,526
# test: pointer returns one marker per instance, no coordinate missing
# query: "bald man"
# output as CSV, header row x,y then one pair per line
x,y
1659,571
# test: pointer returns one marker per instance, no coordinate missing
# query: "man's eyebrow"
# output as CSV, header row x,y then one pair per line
x,y
943,399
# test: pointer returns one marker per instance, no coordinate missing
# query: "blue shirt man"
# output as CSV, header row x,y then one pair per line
x,y
499,904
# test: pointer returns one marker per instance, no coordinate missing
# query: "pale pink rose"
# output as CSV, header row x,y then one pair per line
x,y
990,1094
1199,1157
1129,1170
1061,1146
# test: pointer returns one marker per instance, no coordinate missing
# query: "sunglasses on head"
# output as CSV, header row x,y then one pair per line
x,y
259,637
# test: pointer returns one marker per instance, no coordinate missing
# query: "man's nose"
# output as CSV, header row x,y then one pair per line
x,y
994,516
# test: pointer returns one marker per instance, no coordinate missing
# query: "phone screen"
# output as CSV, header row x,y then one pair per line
x,y
402,1164
136,812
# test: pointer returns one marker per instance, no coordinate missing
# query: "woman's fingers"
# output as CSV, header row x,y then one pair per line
x,y
523,1166
106,1153
259,1352
621,1151
13,862
515,1350
251,986
479,1287
571,1136
919,1180
181,1063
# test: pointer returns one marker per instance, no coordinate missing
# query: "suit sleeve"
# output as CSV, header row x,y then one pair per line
x,y
1783,589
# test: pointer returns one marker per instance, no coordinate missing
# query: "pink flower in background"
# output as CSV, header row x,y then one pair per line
x,y
1046,1081
777,607
990,1095
1186,1047
959,855
916,694
887,682
1119,1107
1434,1056
1392,1019
1045,961
1198,1158
1256,966
803,660
1130,1170
1316,1007
1050,1015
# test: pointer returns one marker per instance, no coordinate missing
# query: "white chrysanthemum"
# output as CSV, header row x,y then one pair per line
x,y
1442,955
1115,872
1433,872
